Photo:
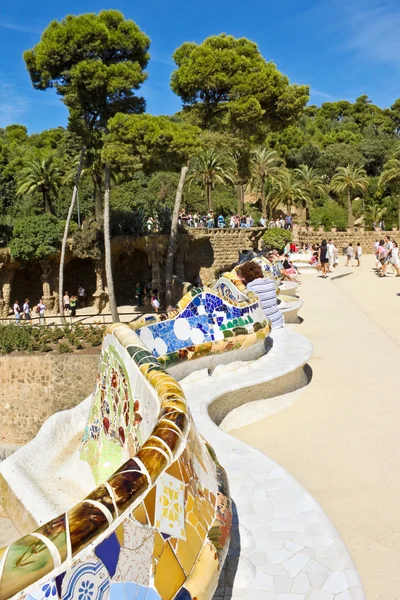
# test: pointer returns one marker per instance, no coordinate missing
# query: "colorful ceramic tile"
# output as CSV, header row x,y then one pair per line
x,y
86,581
170,510
169,576
135,556
202,582
108,552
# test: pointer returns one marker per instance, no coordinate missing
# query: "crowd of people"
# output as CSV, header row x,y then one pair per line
x,y
386,255
212,221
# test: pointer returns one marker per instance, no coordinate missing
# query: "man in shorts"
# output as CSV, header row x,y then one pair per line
x,y
27,311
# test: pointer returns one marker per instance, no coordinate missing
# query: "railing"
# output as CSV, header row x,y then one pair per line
x,y
99,319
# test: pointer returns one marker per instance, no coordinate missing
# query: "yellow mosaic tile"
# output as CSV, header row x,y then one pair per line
x,y
140,514
203,581
159,543
175,471
169,576
150,504
188,550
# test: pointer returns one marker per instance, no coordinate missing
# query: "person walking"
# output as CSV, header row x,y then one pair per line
x,y
17,312
27,311
389,259
323,259
358,254
40,308
349,254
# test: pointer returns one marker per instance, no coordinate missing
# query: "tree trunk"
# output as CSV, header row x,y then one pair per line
x,y
66,229
98,208
239,199
350,211
107,245
208,192
172,240
263,200
46,202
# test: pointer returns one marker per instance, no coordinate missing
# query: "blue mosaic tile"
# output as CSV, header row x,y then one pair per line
x,y
108,552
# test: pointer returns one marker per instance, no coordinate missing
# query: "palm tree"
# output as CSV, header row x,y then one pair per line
x,y
265,164
311,181
375,213
391,176
292,191
209,169
348,181
40,174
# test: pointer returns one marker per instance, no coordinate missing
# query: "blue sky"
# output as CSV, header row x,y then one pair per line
x,y
341,48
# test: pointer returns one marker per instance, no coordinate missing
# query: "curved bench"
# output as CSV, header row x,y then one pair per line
x,y
283,546
156,527
289,308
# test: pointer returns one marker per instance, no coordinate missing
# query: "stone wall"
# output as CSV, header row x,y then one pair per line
x,y
33,387
342,239
211,252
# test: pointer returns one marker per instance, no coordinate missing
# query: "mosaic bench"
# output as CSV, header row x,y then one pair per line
x,y
208,327
156,523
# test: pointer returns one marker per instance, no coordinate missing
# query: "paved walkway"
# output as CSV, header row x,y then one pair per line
x,y
341,438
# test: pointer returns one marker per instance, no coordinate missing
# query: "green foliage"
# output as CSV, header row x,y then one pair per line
x,y
330,214
35,238
148,143
88,241
277,238
225,83
95,62
46,339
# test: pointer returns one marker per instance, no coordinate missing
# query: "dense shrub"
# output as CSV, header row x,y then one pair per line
x,y
45,339
330,214
277,238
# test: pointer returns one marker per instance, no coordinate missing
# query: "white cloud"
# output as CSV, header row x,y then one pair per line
x,y
13,105
18,27
373,31
315,92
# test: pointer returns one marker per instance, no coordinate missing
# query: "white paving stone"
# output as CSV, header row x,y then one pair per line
x,y
295,564
301,584
336,583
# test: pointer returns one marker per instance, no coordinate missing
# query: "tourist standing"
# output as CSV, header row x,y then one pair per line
x,y
263,222
40,308
27,311
73,303
331,254
17,312
349,253
138,294
323,259
81,296
221,222
155,301
358,254
288,222
66,303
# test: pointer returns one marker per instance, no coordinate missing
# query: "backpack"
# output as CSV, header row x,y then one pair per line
x,y
37,309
